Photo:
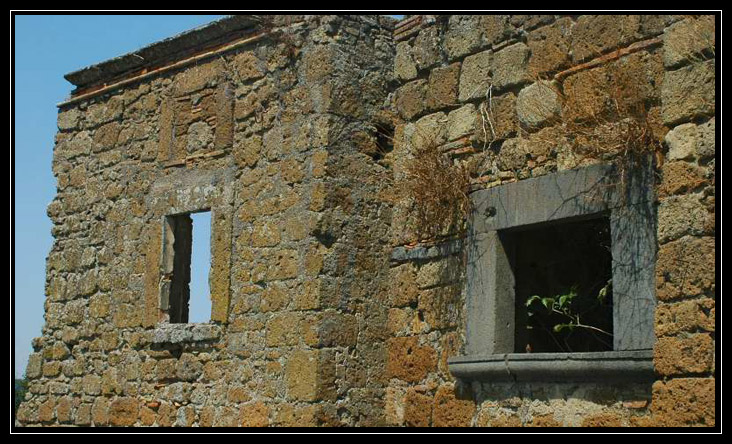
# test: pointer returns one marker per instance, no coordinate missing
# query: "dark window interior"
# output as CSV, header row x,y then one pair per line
x,y
570,258
181,227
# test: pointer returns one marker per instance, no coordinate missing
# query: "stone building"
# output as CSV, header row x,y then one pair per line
x,y
393,206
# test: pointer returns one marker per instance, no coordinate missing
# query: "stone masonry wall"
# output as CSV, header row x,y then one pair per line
x,y
264,136
476,86
328,309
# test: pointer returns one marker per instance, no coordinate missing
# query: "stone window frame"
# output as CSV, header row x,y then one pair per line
x,y
192,191
628,198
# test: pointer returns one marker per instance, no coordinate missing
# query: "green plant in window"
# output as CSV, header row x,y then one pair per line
x,y
563,311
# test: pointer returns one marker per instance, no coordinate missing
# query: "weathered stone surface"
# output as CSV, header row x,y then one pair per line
x,y
69,119
254,415
675,356
248,66
463,35
123,411
403,285
550,47
442,88
680,177
426,48
682,142
510,66
404,66
409,361
417,409
476,76
688,93
684,402
690,141
605,419
538,104
461,122
496,28
310,375
497,119
411,98
451,411
594,35
685,316
706,140
685,267
513,155
684,215
691,39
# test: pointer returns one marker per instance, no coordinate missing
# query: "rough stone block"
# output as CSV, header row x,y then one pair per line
x,y
496,120
337,330
411,99
417,409
248,66
463,35
688,93
429,131
476,76
513,155
550,47
510,66
199,76
426,48
409,361
442,88
404,66
450,410
538,104
403,285
684,215
680,355
684,402
496,28
254,415
440,307
682,141
310,375
685,267
123,411
594,35
692,39
680,177
461,122
685,316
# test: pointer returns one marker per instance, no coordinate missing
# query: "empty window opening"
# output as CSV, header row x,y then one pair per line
x,y
200,300
189,294
563,288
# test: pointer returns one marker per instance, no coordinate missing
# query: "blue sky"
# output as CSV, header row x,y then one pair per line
x,y
46,48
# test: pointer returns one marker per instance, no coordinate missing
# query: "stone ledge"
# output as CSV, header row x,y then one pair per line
x,y
404,254
184,333
636,365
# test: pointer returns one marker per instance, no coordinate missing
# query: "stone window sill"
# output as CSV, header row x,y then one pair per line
x,y
185,333
636,365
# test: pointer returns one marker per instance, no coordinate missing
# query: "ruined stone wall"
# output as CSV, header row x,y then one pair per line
x,y
515,97
265,137
328,308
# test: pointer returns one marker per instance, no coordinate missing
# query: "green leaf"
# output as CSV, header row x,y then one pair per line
x,y
548,302
563,300
532,299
